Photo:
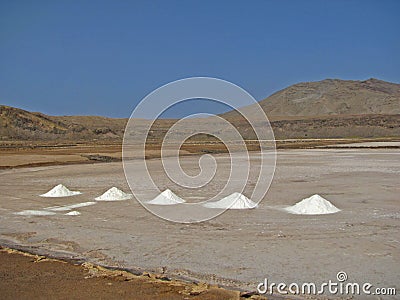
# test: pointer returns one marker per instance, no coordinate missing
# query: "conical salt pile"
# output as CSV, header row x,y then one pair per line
x,y
234,201
166,198
314,205
114,194
60,191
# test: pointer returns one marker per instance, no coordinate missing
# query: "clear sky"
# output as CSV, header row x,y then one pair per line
x,y
103,57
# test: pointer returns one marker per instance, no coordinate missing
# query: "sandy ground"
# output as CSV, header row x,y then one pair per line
x,y
25,276
237,249
24,154
369,145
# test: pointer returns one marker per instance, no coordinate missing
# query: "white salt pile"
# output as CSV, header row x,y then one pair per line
x,y
69,207
60,191
35,213
314,205
166,198
114,194
234,201
73,213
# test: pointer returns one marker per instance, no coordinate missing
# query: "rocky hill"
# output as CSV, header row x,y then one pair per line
x,y
333,97
18,124
330,108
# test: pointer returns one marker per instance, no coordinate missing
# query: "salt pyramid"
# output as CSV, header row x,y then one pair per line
x,y
234,201
166,198
114,194
314,205
60,191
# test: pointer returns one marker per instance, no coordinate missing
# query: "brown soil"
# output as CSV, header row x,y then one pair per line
x,y
27,276
20,154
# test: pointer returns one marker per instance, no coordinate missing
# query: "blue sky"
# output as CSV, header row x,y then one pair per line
x,y
103,57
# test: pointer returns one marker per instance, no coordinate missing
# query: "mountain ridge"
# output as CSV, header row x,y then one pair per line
x,y
321,109
331,97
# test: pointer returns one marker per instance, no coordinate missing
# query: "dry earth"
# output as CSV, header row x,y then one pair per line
x,y
27,276
237,249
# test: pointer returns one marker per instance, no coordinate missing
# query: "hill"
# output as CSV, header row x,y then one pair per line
x,y
332,97
330,108
19,124
335,97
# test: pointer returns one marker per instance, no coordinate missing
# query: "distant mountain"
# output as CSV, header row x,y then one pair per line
x,y
331,97
330,108
335,97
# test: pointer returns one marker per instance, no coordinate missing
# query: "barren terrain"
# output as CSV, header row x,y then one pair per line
x,y
336,138
239,248
329,108
27,276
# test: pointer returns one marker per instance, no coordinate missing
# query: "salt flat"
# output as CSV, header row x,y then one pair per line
x,y
238,248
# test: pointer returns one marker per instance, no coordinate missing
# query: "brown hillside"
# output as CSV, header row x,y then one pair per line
x,y
330,108
19,124
332,97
